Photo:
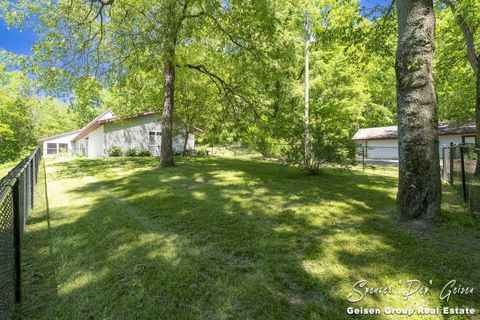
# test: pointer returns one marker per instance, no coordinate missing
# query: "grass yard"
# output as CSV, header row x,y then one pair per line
x,y
6,167
232,239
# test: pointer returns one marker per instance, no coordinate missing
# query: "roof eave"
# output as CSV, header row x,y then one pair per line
x,y
57,136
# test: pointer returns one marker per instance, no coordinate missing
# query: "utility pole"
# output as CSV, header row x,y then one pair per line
x,y
307,86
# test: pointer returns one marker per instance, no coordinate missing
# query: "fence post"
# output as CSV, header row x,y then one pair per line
x,y
363,157
464,187
17,241
452,157
444,175
32,182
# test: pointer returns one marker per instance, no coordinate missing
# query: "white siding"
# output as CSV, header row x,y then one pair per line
x,y
191,142
95,143
134,133
388,149
129,133
445,140
80,146
66,138
381,149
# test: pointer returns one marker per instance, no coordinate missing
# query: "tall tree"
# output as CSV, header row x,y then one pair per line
x,y
86,101
419,188
467,19
454,77
25,117
469,30
107,39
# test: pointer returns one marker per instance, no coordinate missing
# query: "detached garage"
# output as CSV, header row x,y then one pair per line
x,y
382,142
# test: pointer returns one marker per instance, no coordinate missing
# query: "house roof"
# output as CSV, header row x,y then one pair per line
x,y
391,132
101,120
59,135
81,130
98,122
133,116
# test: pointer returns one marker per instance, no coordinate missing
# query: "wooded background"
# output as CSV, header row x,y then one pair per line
x,y
236,69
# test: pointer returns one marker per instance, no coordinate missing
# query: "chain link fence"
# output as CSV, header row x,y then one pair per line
x,y
16,201
376,155
461,168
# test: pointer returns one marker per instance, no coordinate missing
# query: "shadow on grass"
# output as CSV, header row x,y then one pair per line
x,y
219,239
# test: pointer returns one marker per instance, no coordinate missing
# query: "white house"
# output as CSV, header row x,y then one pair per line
x,y
141,131
382,143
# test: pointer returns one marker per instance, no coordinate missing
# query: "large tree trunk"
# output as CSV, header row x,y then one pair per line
x,y
477,109
477,122
166,151
419,188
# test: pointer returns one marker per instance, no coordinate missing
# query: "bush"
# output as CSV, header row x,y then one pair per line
x,y
115,152
131,152
145,153
78,154
202,153
326,147
189,153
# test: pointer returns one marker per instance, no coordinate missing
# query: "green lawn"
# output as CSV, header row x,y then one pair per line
x,y
232,239
6,167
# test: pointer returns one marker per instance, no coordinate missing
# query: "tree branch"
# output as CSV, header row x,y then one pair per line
x,y
473,57
227,89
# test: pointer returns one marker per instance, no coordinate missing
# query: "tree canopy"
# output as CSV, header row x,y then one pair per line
x,y
237,66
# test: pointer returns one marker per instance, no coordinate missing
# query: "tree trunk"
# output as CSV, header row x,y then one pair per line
x,y
166,151
477,122
185,143
419,188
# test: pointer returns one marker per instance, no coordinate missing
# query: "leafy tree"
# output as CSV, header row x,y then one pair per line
x,y
26,117
16,129
348,85
108,39
87,100
454,78
51,117
196,103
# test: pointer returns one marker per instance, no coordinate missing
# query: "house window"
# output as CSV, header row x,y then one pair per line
x,y
468,139
51,148
154,138
63,147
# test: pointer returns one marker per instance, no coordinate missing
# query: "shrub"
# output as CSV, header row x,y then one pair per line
x,y
326,147
260,140
78,154
145,153
131,152
201,153
189,153
115,151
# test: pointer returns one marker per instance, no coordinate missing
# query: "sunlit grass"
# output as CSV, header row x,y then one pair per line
x,y
227,238
6,167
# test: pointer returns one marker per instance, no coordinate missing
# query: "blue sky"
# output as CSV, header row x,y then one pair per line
x,y
15,41
21,42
